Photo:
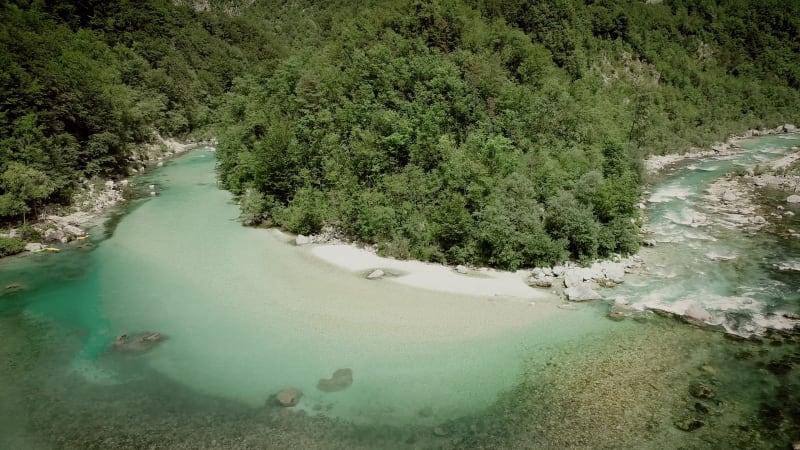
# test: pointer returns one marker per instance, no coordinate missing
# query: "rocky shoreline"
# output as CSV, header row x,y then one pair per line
x,y
95,197
657,163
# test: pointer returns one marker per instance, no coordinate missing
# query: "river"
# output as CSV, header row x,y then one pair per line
x,y
246,314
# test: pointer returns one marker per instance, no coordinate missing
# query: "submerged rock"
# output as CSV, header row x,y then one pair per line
x,y
689,424
136,343
700,390
701,408
616,316
440,432
13,287
288,397
341,379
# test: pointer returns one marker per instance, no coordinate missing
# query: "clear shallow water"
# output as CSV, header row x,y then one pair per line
x,y
247,314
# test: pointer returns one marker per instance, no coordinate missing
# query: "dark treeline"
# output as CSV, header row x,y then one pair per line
x,y
506,133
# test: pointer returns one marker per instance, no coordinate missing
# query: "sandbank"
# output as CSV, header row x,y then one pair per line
x,y
436,277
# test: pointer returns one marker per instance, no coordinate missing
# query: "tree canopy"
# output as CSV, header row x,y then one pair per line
x,y
499,132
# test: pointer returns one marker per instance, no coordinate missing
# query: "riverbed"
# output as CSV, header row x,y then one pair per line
x,y
246,314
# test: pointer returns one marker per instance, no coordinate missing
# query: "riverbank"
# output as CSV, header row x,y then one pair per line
x,y
59,225
567,282
658,163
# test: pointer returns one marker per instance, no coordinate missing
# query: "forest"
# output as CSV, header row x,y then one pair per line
x,y
500,133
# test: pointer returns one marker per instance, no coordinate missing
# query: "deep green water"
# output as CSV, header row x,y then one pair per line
x,y
248,314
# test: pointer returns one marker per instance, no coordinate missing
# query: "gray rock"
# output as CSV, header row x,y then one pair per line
x,y
789,128
302,240
462,269
759,220
375,274
729,196
33,247
581,293
793,199
558,270
53,235
73,231
544,281
573,277
614,272
649,242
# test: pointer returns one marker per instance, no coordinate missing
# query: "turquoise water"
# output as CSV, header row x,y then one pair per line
x,y
246,314
746,278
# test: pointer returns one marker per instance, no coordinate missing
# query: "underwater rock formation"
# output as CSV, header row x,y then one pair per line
x,y
341,379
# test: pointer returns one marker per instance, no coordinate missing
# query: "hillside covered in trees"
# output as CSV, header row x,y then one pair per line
x,y
506,133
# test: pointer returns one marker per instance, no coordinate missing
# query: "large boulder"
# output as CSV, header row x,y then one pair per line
x,y
581,293
614,272
302,240
789,128
53,235
793,199
573,276
341,379
288,397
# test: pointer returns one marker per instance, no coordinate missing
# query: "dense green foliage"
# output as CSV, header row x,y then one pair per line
x,y
499,132
10,246
505,133
83,83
